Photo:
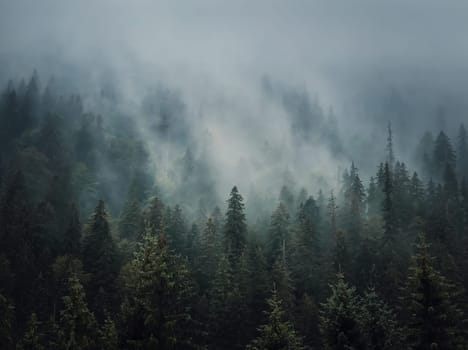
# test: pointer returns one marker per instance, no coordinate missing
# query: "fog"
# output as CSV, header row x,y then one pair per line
x,y
262,93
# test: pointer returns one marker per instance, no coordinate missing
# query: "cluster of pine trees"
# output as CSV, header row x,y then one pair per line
x,y
381,266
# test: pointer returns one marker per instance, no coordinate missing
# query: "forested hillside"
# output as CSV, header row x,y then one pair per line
x,y
97,252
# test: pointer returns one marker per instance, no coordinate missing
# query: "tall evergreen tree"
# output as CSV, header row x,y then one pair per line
x,y
156,307
100,259
340,318
462,153
434,317
278,235
443,154
388,208
77,326
235,227
277,334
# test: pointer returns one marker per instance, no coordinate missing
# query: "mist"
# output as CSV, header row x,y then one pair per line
x,y
260,92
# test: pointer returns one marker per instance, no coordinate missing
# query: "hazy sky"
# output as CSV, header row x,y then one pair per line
x,y
372,61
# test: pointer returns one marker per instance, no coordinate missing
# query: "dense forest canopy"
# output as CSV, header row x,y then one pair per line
x,y
161,189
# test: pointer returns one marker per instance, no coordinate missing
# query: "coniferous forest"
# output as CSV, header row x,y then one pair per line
x,y
147,216
370,265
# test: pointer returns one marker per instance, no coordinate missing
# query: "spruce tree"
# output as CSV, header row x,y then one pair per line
x,y
462,153
278,333
278,235
158,293
235,227
225,308
379,325
434,319
388,208
305,255
340,318
100,259
77,325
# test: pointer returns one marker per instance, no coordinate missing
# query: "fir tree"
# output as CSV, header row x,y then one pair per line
x,y
235,227
340,318
225,307
379,324
156,307
434,317
277,334
462,152
388,208
78,327
278,236
101,261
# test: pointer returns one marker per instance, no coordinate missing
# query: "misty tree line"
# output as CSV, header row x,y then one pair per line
x,y
375,266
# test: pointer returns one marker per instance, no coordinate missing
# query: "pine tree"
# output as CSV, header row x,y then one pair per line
x,y
156,307
101,261
225,308
277,334
278,235
253,286
354,195
379,324
388,208
108,337
443,154
154,216
434,318
209,255
77,326
32,338
235,227
283,284
462,152
305,255
340,318
177,230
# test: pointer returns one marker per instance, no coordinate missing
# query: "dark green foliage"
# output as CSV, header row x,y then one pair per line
x,y
278,238
164,275
158,292
434,319
340,318
277,334
462,152
305,249
77,325
379,324
100,260
225,307
235,227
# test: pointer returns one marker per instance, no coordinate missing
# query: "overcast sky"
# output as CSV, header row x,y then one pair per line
x,y
355,56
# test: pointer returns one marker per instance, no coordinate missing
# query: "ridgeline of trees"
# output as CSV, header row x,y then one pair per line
x,y
381,265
